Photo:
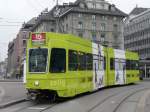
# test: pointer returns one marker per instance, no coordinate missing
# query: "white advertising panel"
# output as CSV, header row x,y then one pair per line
x,y
98,66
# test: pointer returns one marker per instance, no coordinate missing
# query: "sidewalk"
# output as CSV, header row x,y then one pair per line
x,y
146,79
11,93
11,80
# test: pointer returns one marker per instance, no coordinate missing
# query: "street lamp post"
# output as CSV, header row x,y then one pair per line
x,y
145,71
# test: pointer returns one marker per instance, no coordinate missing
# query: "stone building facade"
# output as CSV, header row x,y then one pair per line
x,y
3,69
137,37
96,20
17,50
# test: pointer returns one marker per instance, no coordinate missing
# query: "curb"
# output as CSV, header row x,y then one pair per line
x,y
11,103
11,81
146,79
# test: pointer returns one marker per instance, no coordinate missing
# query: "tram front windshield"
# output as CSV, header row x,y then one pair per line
x,y
38,60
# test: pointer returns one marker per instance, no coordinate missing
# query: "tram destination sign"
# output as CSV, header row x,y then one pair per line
x,y
38,39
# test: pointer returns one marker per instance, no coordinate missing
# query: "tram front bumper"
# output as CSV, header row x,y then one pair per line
x,y
57,84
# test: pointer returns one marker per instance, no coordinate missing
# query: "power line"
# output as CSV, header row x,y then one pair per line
x,y
9,25
39,4
10,20
57,2
31,5
13,22
3,43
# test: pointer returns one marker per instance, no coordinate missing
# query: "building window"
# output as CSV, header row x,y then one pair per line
x,y
66,27
93,17
103,26
115,18
93,5
115,36
24,36
24,51
52,30
94,36
80,25
104,18
94,26
102,37
80,34
80,15
18,59
115,27
103,6
24,43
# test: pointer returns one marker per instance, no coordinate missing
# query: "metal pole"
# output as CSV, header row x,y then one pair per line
x,y
57,2
145,70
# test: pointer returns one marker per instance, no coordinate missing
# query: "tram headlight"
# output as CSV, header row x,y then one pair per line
x,y
36,83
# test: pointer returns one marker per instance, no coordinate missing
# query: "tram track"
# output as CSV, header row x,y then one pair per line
x,y
35,107
125,97
125,93
46,107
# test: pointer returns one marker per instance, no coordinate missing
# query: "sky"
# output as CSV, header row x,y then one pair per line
x,y
13,13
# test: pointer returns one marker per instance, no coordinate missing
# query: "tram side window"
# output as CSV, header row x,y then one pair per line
x,y
104,63
137,65
82,61
112,63
128,64
73,60
132,65
89,61
58,60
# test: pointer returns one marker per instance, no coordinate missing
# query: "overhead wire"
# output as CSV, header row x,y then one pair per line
x,y
38,2
3,50
13,22
32,5
9,22
10,25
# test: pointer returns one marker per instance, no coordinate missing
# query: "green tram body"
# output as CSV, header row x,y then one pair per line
x,y
84,66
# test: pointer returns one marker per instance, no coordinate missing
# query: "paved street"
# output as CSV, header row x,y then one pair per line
x,y
132,98
11,91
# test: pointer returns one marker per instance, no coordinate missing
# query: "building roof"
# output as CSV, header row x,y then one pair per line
x,y
66,8
74,7
94,11
30,23
43,17
137,10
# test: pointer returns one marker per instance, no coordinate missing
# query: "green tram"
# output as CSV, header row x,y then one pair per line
x,y
66,65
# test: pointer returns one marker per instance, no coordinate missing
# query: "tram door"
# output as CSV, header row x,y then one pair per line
x,y
120,64
98,67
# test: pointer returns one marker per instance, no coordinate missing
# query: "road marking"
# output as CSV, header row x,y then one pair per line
x,y
142,102
112,102
36,108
